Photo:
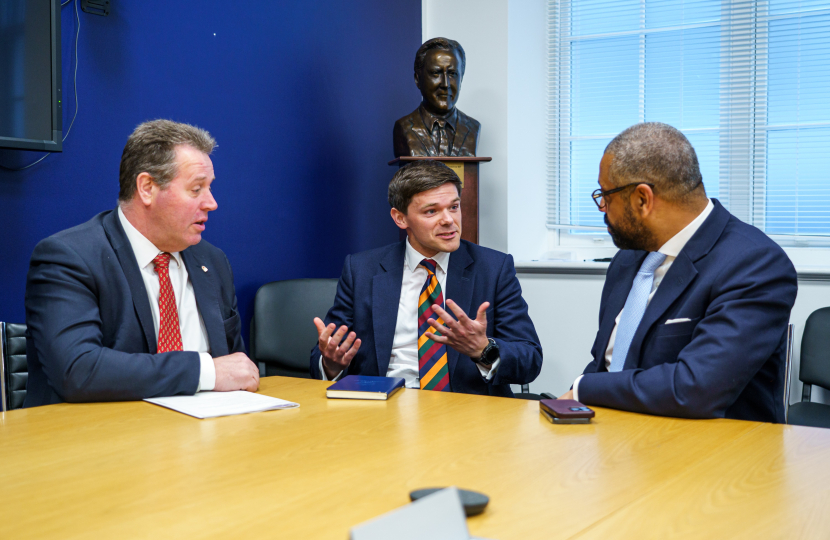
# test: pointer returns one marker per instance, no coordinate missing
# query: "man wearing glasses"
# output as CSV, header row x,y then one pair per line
x,y
696,303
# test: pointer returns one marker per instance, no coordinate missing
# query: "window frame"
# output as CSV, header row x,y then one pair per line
x,y
743,128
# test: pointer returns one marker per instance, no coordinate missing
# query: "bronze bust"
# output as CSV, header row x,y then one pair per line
x,y
437,127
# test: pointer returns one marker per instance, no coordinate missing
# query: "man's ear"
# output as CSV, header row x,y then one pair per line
x,y
146,188
399,218
643,200
417,80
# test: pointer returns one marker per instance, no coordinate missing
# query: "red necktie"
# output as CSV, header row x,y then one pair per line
x,y
170,336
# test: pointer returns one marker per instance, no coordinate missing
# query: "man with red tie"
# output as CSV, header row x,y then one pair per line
x,y
133,304
438,311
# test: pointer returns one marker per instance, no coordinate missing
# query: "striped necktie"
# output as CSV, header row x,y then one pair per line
x,y
432,356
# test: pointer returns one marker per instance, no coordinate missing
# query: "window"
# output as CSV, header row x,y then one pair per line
x,y
747,81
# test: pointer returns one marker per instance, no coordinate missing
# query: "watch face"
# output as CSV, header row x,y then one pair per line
x,y
490,354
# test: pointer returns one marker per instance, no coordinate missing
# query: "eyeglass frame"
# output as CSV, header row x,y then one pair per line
x,y
598,194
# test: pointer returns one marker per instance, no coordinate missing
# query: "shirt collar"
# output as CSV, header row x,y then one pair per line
x,y
143,249
413,258
430,119
675,245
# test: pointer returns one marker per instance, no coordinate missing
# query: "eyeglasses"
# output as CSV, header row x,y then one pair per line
x,y
599,196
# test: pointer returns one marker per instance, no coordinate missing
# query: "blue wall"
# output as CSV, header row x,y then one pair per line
x,y
300,96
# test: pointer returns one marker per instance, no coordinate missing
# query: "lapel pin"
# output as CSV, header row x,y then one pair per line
x,y
204,268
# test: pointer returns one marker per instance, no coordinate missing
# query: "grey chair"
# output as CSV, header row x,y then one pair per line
x,y
14,370
814,370
282,331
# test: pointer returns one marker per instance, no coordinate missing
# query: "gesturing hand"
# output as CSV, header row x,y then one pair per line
x,y
465,335
336,356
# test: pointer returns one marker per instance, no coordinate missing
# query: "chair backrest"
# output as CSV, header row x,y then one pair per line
x,y
815,349
13,366
282,331
788,371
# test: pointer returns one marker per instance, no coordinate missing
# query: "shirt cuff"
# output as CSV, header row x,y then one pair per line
x,y
576,387
323,371
207,375
488,371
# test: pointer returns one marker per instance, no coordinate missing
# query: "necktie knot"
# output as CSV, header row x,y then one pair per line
x,y
162,261
652,262
430,265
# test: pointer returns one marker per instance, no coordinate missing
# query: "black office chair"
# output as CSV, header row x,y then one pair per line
x,y
282,331
788,371
526,394
13,368
815,369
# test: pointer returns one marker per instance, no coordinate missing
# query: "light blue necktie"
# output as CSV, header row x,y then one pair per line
x,y
635,307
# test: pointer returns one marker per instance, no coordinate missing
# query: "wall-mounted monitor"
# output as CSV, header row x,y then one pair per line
x,y
30,75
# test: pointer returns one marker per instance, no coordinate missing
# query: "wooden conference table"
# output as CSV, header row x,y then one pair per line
x,y
135,470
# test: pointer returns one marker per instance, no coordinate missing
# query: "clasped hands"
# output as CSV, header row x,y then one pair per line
x,y
465,335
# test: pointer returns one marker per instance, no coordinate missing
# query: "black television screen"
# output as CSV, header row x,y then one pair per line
x,y
30,75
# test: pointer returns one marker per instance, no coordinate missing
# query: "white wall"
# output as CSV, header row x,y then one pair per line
x,y
481,28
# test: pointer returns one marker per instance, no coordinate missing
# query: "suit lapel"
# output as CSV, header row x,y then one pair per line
x,y
386,294
616,300
460,283
676,280
207,301
126,258
461,136
680,275
420,130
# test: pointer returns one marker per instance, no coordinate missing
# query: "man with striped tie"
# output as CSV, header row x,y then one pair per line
x,y
442,313
694,312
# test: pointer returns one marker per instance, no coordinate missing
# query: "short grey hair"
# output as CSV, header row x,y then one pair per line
x,y
417,177
443,44
151,148
658,154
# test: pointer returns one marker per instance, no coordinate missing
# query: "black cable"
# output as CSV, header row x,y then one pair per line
x,y
75,83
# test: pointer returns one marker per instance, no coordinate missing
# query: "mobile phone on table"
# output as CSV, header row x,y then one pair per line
x,y
565,411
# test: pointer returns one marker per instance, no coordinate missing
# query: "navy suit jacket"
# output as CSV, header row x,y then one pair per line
x,y
367,302
90,332
736,287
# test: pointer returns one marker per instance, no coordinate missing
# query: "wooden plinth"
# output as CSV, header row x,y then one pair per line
x,y
467,170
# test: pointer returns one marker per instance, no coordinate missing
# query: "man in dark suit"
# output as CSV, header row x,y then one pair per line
x,y
132,304
393,301
437,127
694,311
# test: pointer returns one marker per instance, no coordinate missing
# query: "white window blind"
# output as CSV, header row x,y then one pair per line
x,y
748,82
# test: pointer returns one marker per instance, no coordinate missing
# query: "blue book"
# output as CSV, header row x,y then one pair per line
x,y
364,387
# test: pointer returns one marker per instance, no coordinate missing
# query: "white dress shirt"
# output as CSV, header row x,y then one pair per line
x,y
194,334
671,249
404,359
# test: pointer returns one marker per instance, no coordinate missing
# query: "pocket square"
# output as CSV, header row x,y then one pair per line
x,y
675,321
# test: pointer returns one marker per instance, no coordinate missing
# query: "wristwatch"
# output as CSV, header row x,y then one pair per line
x,y
490,353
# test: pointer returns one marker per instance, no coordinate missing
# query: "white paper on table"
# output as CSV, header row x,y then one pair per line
x,y
213,404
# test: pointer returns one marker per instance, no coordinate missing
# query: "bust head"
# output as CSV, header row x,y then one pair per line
x,y
439,69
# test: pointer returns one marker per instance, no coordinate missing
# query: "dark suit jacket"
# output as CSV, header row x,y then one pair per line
x,y
367,302
411,137
90,334
737,288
